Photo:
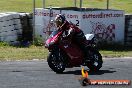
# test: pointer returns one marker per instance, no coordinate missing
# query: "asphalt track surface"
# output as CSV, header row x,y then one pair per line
x,y
37,74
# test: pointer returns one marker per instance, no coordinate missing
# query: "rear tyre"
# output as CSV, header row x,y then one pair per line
x,y
95,61
55,62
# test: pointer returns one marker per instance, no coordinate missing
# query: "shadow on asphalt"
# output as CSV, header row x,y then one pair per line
x,y
78,72
100,72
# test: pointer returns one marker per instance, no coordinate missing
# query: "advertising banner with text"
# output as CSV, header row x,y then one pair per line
x,y
108,25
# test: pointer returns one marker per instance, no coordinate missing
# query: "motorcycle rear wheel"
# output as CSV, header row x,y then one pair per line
x,y
56,63
95,61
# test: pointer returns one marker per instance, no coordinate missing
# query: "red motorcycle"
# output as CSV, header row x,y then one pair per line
x,y
63,53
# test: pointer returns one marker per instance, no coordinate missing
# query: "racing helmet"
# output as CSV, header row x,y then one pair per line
x,y
59,20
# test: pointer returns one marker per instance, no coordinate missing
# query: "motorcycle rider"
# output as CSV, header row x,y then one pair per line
x,y
71,31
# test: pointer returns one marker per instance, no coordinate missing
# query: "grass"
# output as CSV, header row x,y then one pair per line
x,y
10,53
114,49
111,53
27,5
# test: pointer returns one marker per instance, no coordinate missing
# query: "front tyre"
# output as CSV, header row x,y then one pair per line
x,y
95,61
55,62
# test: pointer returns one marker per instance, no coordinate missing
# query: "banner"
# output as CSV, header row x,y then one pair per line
x,y
105,24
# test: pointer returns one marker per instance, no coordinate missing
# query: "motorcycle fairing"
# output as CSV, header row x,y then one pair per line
x,y
74,52
52,38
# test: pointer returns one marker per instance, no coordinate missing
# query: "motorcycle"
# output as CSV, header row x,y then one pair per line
x,y
63,53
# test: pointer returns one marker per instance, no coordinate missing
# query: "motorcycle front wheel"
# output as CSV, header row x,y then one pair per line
x,y
56,62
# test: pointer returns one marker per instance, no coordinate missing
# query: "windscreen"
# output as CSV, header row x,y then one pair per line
x,y
53,33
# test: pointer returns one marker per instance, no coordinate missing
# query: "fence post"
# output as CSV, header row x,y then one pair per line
x,y
80,4
75,3
43,3
107,4
33,21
